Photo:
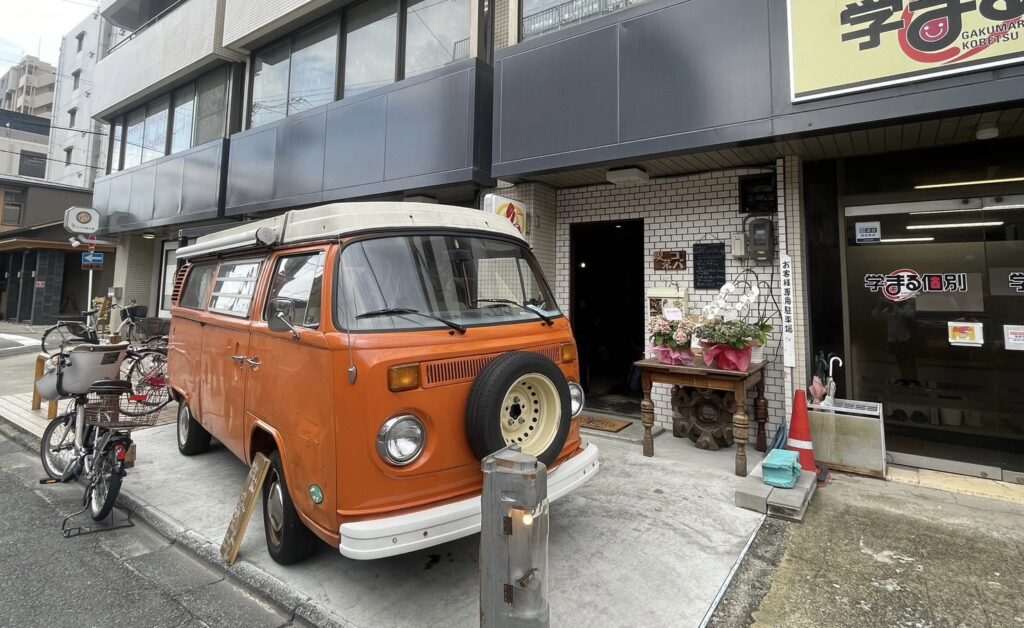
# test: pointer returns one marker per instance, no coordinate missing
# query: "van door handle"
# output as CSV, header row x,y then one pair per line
x,y
254,363
238,358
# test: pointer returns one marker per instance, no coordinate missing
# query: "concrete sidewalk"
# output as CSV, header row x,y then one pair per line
x,y
649,541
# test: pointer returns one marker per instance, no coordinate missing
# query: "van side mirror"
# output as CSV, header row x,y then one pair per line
x,y
281,315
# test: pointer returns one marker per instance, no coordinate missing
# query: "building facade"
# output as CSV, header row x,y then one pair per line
x,y
23,144
857,164
77,151
27,87
41,275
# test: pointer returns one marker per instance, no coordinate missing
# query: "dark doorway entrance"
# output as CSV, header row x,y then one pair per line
x,y
607,311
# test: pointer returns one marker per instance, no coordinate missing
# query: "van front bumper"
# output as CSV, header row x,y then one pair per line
x,y
390,536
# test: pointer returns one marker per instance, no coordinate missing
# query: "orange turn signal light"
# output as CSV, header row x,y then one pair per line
x,y
569,352
403,377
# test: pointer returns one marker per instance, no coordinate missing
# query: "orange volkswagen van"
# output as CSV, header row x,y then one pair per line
x,y
375,352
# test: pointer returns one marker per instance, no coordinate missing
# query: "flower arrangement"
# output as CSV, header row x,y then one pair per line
x,y
735,333
728,344
670,339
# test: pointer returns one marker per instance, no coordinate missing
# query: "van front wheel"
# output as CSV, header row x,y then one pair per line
x,y
288,539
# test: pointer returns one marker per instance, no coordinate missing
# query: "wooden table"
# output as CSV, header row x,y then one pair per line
x,y
701,376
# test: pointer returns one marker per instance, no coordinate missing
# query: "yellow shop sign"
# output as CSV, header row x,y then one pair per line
x,y
842,46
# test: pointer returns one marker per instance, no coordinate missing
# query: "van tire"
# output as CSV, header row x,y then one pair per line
x,y
288,539
192,437
535,377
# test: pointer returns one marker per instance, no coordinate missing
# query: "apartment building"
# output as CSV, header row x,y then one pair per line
x,y
27,87
855,163
23,143
78,146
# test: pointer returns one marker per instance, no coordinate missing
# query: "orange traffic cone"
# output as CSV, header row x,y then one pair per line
x,y
800,434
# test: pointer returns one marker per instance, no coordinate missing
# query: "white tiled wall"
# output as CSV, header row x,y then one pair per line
x,y
133,272
678,212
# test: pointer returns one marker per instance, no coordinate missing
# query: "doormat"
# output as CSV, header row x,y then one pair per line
x,y
602,424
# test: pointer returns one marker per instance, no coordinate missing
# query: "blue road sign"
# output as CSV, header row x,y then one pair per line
x,y
92,258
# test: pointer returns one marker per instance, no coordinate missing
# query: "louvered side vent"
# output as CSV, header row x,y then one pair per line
x,y
179,280
458,370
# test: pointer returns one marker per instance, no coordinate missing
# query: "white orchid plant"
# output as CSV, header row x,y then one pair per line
x,y
728,307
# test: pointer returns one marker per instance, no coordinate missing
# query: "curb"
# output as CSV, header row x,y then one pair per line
x,y
281,594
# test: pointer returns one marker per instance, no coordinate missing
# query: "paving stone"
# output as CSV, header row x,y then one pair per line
x,y
752,494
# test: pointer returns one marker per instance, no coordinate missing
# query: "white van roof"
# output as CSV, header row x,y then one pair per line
x,y
341,219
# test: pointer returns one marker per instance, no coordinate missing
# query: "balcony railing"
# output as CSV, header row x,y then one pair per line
x,y
156,18
569,13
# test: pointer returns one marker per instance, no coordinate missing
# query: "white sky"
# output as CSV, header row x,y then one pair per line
x,y
37,26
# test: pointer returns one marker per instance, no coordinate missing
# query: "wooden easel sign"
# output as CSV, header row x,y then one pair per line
x,y
244,507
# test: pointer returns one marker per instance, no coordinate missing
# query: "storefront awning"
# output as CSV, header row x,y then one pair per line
x,y
24,244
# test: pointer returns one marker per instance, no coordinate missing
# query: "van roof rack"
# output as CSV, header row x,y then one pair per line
x,y
344,219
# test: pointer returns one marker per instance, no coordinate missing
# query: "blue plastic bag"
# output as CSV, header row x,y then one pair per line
x,y
781,468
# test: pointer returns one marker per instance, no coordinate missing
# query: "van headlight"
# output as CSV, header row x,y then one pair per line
x,y
576,398
401,440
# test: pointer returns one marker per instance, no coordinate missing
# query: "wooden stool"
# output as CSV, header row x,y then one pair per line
x,y
51,408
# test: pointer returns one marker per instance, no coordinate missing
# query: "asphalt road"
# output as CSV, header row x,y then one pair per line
x,y
127,577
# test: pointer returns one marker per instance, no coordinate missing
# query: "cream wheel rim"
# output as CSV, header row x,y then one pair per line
x,y
530,414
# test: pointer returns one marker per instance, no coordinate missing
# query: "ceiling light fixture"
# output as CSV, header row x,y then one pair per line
x,y
987,131
893,240
148,235
932,186
958,225
627,176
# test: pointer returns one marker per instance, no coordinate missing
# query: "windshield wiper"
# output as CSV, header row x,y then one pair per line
x,y
543,317
391,311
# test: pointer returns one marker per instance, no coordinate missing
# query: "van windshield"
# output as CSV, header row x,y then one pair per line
x,y
463,279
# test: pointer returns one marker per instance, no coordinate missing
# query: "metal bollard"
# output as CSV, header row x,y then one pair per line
x,y
514,541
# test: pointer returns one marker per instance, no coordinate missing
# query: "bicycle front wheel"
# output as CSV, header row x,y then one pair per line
x,y
57,449
105,487
148,377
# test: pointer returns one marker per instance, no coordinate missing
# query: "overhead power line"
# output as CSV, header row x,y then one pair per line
x,y
60,161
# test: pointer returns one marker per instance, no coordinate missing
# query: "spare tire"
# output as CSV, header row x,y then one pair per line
x,y
519,399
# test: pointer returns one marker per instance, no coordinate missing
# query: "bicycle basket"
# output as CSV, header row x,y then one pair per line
x,y
105,411
136,312
154,327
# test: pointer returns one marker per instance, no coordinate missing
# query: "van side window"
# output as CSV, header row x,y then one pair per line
x,y
299,278
197,287
235,286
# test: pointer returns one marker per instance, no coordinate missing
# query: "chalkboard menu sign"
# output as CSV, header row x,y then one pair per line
x,y
708,265
757,194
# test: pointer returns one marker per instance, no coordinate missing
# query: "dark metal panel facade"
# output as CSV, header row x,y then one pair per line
x,y
427,128
552,102
680,68
415,134
355,144
178,188
674,76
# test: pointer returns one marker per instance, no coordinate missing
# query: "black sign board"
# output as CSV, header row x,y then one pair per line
x,y
758,194
708,265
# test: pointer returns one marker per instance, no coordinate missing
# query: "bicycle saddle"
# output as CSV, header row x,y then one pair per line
x,y
111,387
90,313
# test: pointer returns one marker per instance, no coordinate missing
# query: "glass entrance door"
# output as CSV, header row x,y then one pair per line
x,y
936,330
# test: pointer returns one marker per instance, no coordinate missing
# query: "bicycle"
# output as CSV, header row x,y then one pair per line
x,y
139,331
94,440
145,367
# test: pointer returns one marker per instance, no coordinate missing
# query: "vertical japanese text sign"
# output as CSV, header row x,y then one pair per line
x,y
786,278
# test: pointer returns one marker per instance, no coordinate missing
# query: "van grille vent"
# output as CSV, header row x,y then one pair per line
x,y
457,370
179,279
